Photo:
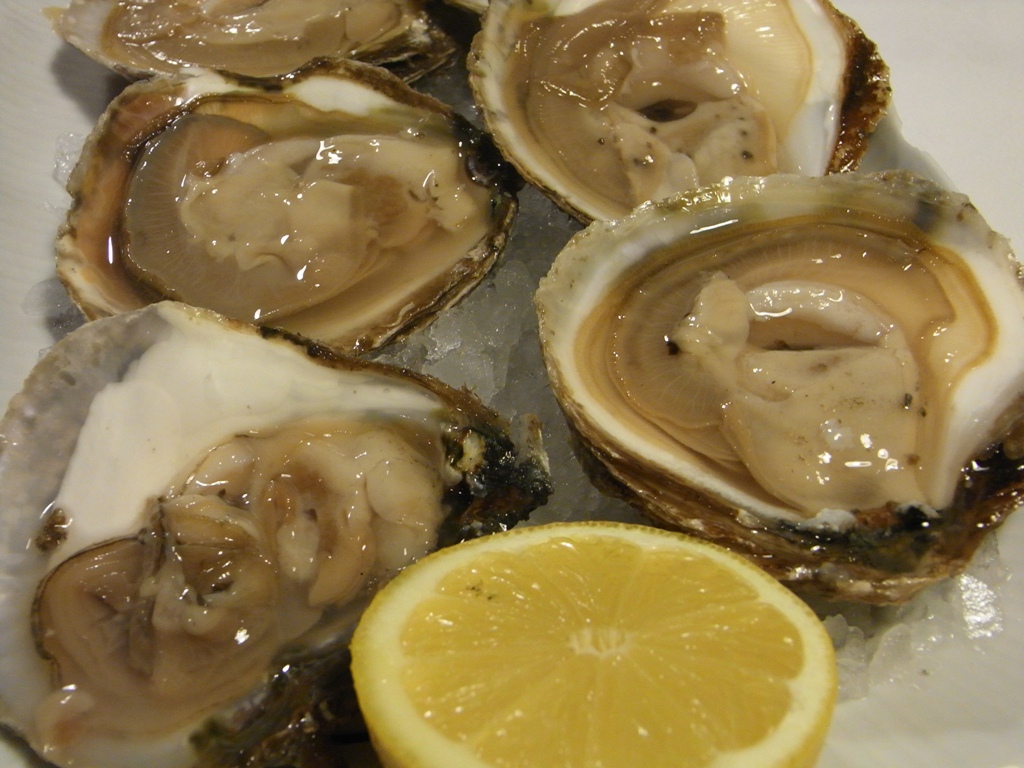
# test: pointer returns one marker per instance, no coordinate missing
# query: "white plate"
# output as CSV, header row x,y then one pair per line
x,y
956,69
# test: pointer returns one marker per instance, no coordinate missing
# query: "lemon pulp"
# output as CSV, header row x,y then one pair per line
x,y
592,645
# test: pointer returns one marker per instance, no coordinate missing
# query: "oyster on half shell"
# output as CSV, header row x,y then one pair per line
x,y
193,513
336,203
823,374
608,103
252,38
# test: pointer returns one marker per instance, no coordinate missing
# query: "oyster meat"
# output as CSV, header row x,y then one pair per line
x,y
821,373
608,103
336,203
253,38
194,513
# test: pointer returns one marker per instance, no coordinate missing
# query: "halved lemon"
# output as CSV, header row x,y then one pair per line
x,y
592,644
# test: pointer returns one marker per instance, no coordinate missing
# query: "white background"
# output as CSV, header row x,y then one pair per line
x,y
957,69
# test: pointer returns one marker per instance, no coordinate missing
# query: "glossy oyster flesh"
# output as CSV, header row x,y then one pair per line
x,y
823,374
608,103
193,515
336,203
141,38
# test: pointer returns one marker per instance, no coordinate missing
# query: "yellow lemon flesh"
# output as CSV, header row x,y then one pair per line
x,y
592,644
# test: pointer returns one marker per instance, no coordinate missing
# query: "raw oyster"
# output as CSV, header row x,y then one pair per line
x,y
823,374
336,203
193,513
252,38
608,103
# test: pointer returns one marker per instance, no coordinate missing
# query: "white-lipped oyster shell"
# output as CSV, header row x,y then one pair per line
x,y
606,104
903,291
141,38
115,414
353,209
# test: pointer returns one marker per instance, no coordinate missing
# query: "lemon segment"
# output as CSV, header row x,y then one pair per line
x,y
592,644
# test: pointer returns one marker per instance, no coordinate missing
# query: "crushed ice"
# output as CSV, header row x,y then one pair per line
x,y
879,645
68,149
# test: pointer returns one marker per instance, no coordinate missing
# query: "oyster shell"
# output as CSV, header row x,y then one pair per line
x,y
823,374
194,513
141,38
608,103
336,203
